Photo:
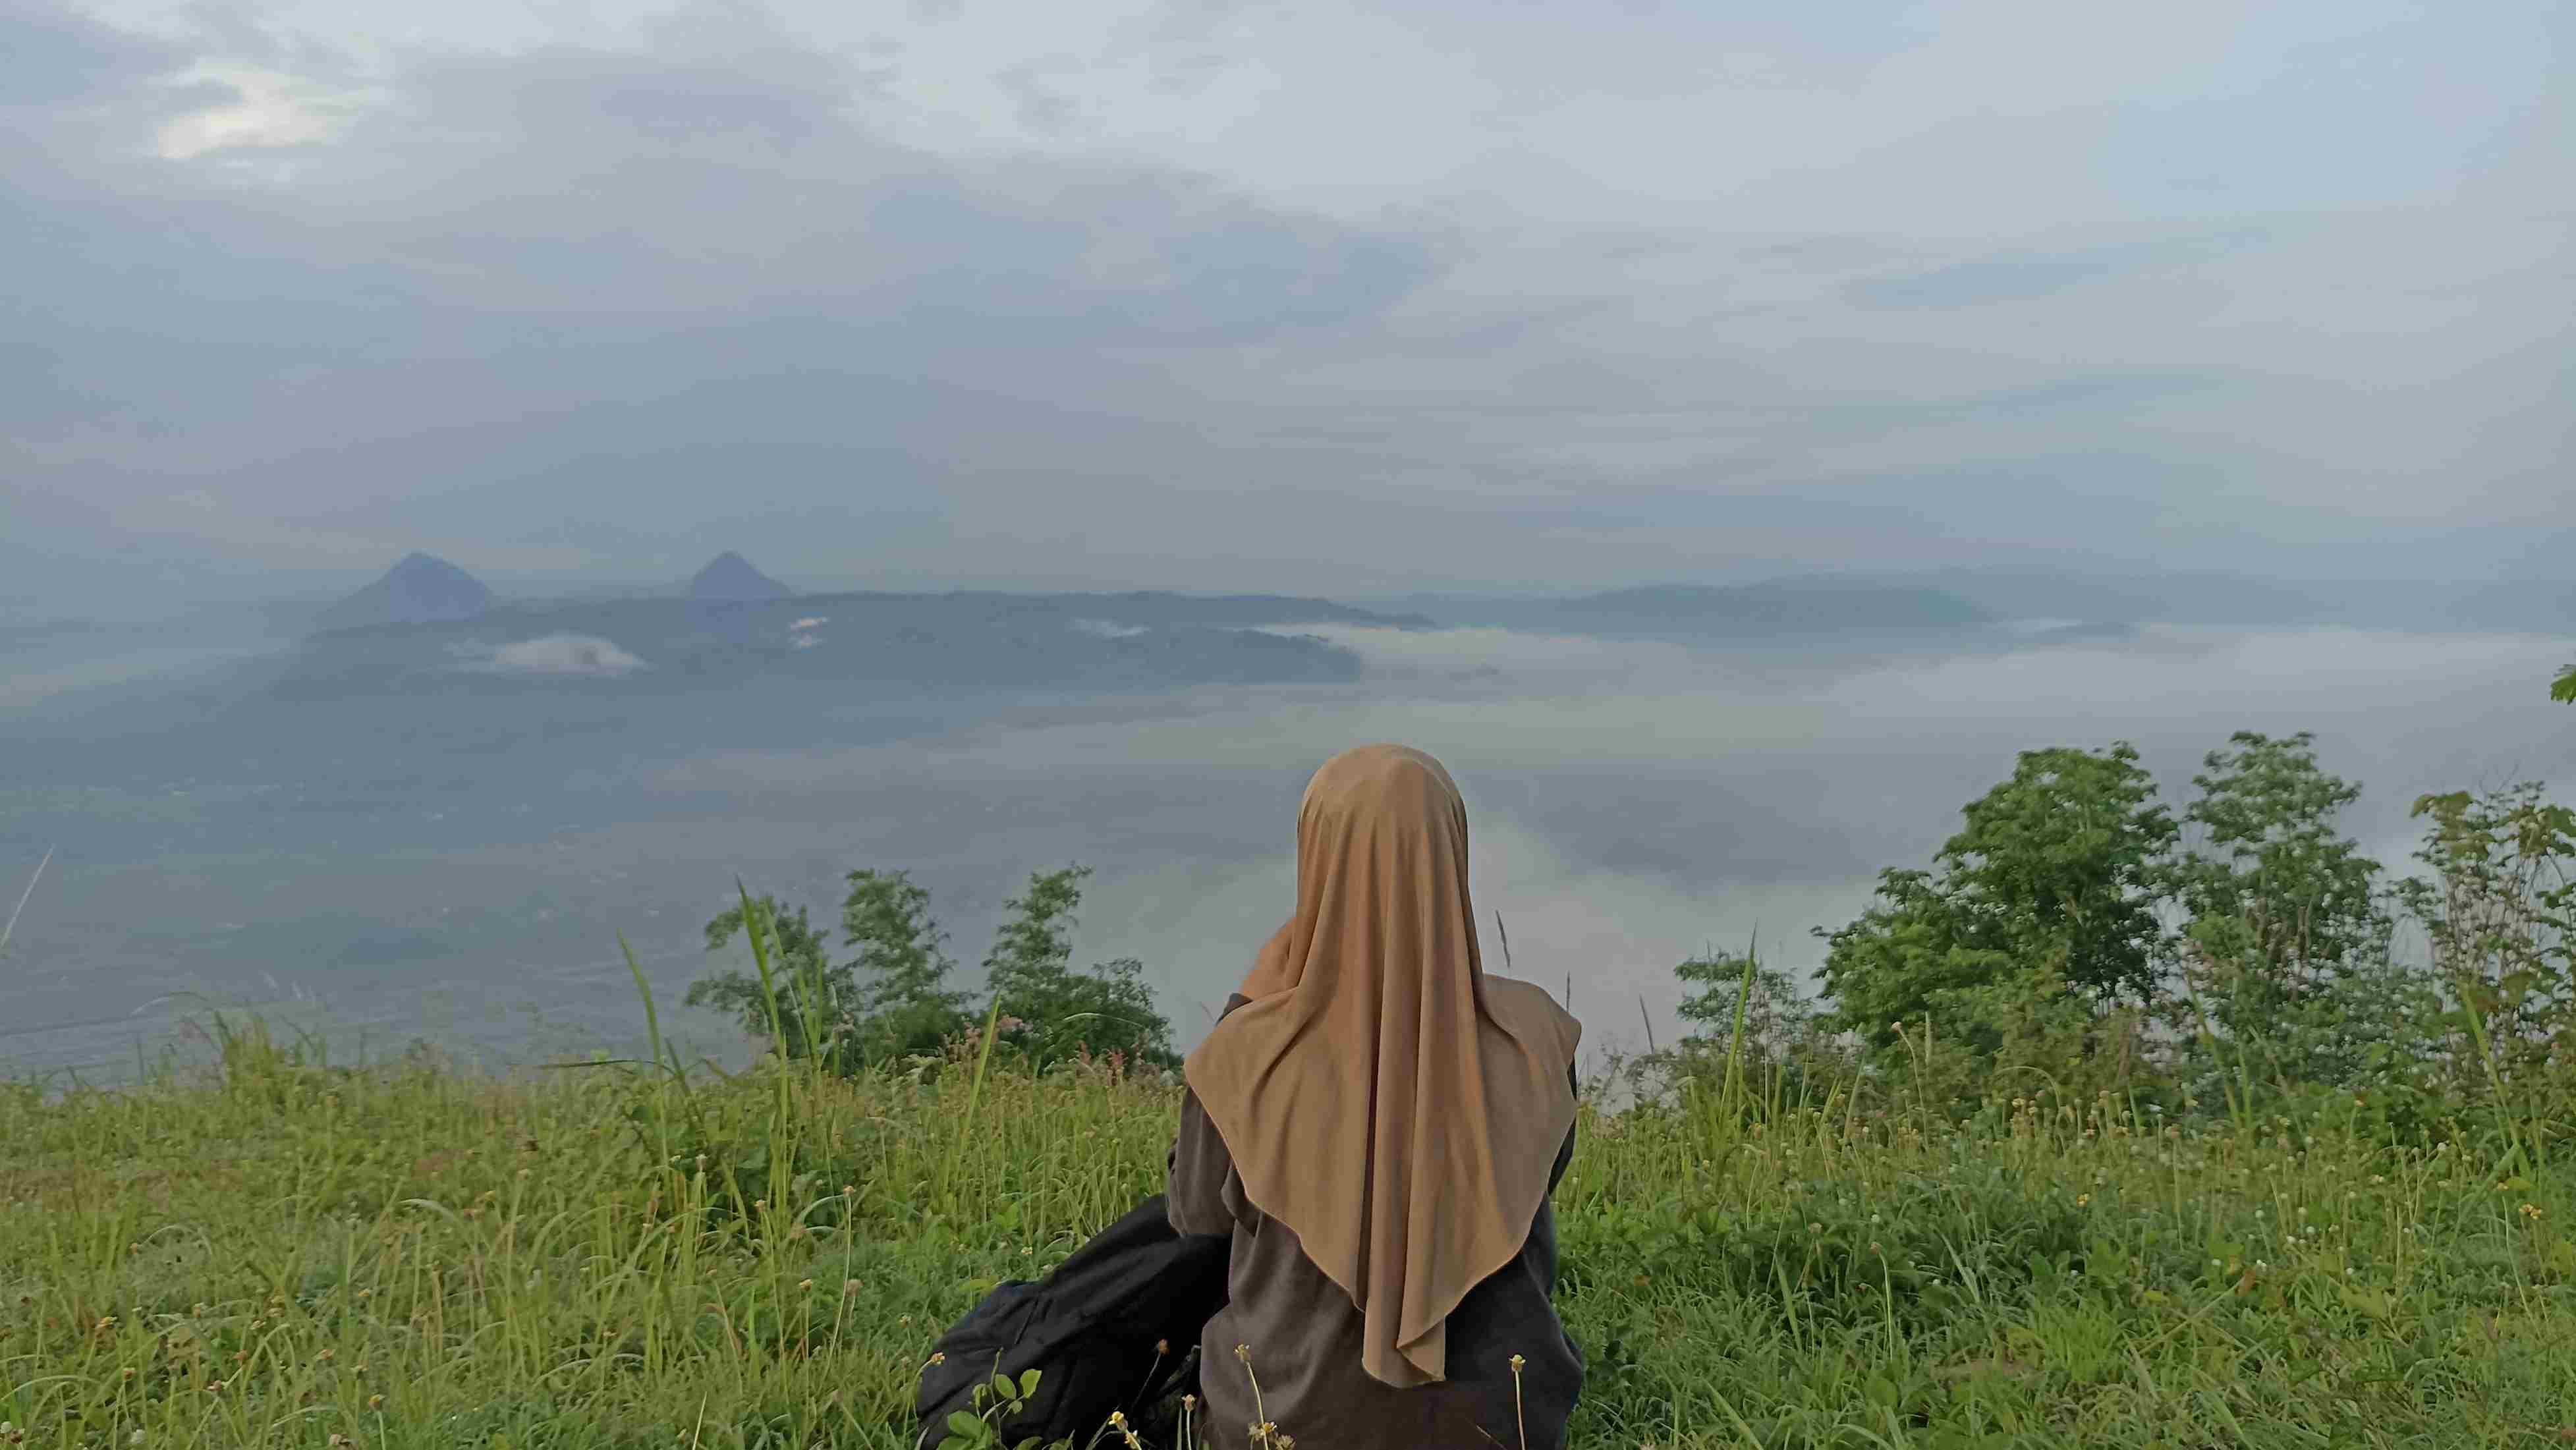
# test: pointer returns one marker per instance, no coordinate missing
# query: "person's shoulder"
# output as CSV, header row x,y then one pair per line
x,y
1527,1009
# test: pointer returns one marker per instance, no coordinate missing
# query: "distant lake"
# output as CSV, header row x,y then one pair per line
x,y
459,870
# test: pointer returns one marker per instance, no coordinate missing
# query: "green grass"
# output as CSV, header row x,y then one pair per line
x,y
282,1253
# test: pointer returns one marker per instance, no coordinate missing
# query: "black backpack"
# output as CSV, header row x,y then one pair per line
x,y
1091,1329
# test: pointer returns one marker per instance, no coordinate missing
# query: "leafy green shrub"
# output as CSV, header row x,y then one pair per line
x,y
889,1003
1061,1014
2055,868
886,1001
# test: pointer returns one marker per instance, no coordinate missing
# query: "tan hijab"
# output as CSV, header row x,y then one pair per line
x,y
1381,1096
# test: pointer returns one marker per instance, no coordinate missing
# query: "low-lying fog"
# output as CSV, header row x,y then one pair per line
x,y
1630,803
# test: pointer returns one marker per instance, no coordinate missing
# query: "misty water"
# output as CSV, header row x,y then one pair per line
x,y
459,871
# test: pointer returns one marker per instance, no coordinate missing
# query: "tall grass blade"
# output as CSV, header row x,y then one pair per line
x,y
11,929
974,1097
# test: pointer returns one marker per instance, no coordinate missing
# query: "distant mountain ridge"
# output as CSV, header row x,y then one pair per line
x,y
1785,609
1785,604
729,578
2112,596
420,589
935,643
2203,597
1237,611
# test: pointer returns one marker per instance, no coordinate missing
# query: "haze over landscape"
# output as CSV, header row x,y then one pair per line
x,y
434,821
1997,579
478,483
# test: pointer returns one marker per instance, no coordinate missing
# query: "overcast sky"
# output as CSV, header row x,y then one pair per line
x,y
1310,297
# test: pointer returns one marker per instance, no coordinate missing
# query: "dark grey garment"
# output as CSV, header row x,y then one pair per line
x,y
1304,1333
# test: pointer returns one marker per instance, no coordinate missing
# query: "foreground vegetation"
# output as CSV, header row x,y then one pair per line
x,y
2073,929
2100,1136
286,1253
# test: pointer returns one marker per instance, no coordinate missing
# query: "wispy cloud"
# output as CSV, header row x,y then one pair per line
x,y
553,654
1105,629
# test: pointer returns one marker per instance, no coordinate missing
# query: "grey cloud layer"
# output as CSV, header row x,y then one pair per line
x,y
560,309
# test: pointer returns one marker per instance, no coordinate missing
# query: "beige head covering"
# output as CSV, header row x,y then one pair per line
x,y
1380,1095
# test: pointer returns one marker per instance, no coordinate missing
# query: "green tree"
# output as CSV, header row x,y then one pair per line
x,y
910,1010
1750,1030
1054,1011
1727,988
2499,909
2052,880
815,1001
2299,902
887,1000
2284,957
2563,689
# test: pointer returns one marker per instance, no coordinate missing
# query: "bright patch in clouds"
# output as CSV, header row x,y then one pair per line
x,y
269,110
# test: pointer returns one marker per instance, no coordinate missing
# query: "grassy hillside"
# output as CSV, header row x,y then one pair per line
x,y
288,1254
